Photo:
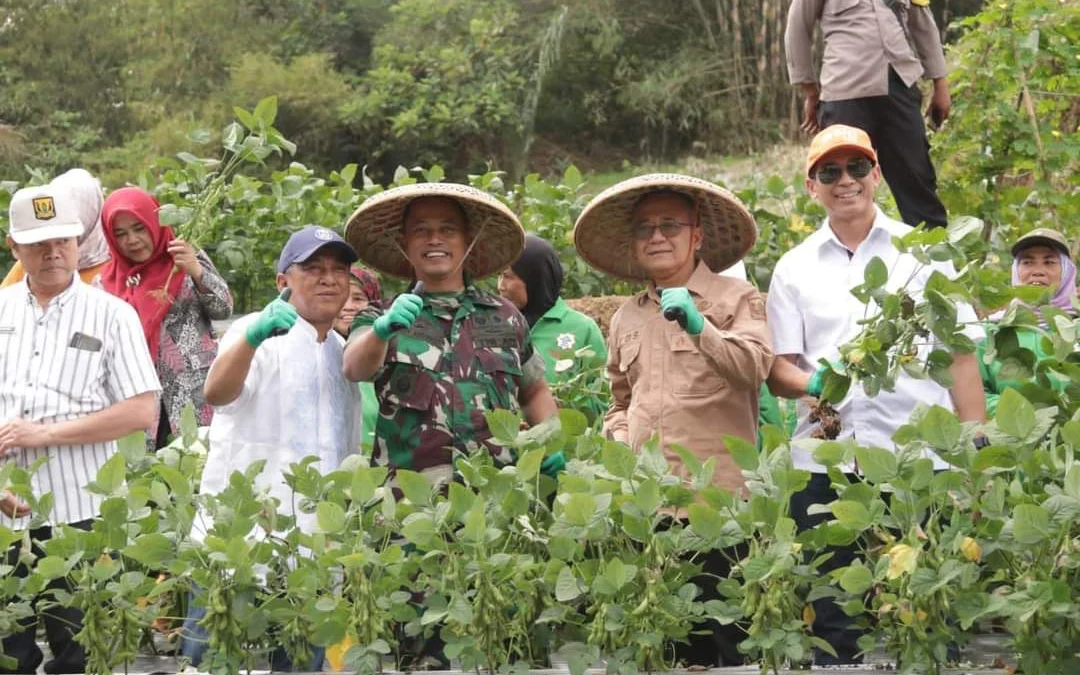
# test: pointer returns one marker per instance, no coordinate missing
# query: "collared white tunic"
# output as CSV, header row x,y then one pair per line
x,y
81,354
812,312
295,403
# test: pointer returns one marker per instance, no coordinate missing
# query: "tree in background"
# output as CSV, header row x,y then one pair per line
x,y
519,85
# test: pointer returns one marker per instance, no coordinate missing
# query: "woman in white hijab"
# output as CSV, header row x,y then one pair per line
x,y
93,249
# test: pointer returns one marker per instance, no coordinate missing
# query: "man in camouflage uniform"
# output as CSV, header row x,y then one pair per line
x,y
446,352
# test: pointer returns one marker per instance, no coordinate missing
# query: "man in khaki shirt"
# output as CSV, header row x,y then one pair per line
x,y
875,53
690,389
687,356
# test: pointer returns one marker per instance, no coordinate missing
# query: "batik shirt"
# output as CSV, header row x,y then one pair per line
x,y
465,354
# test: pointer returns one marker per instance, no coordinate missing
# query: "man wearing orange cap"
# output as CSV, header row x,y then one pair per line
x,y
811,312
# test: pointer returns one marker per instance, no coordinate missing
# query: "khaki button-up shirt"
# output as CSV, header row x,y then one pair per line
x,y
690,390
863,38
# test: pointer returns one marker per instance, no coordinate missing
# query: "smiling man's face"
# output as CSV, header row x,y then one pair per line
x,y
848,198
666,238
435,240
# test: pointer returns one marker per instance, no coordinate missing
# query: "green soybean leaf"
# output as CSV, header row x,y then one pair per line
x,y
876,273
852,515
706,521
877,464
856,579
330,517
1015,416
618,459
567,587
153,550
415,486
1031,523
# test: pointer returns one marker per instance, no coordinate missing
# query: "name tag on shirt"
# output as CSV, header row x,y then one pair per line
x,y
85,342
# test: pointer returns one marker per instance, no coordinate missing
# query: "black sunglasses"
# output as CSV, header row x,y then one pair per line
x,y
856,168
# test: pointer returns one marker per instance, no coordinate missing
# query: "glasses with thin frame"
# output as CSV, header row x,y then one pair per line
x,y
668,227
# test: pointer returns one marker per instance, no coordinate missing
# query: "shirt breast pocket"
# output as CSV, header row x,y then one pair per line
x,y
501,372
408,386
629,354
84,369
838,7
692,374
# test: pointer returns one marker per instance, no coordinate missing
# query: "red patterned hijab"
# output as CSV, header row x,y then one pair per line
x,y
142,285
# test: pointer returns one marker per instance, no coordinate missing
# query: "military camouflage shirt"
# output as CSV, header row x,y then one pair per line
x,y
466,353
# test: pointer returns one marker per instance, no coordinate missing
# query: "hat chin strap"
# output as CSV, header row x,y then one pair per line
x,y
463,258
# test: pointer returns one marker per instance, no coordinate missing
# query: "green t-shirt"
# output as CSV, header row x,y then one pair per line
x,y
369,415
562,330
993,382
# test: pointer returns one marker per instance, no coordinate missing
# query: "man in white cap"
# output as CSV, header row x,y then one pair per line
x,y
686,356
812,313
75,375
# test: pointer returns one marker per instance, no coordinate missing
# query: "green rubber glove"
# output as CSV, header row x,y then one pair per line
x,y
401,316
275,319
816,385
679,300
553,464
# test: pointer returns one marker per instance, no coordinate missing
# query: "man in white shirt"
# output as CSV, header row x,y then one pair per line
x,y
279,391
75,375
811,312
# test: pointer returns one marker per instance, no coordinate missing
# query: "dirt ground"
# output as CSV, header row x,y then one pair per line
x,y
601,309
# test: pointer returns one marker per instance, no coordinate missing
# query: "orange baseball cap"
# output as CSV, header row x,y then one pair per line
x,y
836,137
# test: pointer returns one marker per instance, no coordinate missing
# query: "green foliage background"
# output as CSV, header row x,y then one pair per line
x,y
525,99
516,84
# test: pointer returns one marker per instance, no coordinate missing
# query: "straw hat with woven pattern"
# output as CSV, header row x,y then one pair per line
x,y
374,229
603,234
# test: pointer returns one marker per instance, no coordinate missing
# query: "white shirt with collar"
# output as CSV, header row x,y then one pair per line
x,y
84,352
295,403
812,313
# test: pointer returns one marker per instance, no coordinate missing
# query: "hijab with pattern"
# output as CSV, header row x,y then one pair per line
x,y
369,284
141,284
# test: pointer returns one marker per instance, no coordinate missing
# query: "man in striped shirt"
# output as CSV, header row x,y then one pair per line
x,y
75,375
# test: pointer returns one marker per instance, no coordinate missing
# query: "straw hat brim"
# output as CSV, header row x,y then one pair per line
x,y
603,236
374,229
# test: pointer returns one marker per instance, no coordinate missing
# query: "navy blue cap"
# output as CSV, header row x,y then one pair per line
x,y
304,243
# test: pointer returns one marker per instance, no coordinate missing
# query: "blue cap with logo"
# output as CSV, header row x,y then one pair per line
x,y
305,242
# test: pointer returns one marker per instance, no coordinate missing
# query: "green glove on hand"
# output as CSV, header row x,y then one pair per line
x,y
678,300
401,316
275,319
816,385
553,464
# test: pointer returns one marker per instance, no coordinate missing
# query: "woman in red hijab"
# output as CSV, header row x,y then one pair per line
x,y
175,307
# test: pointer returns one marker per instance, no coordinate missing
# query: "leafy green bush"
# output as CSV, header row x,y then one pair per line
x,y
1011,149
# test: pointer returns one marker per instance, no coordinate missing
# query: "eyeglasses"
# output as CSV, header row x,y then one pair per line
x,y
856,168
669,228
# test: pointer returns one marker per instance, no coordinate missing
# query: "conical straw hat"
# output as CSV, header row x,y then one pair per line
x,y
374,229
603,232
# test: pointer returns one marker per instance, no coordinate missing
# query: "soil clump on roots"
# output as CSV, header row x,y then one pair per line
x,y
828,420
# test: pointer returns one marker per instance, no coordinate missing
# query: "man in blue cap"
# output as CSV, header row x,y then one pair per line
x,y
280,394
